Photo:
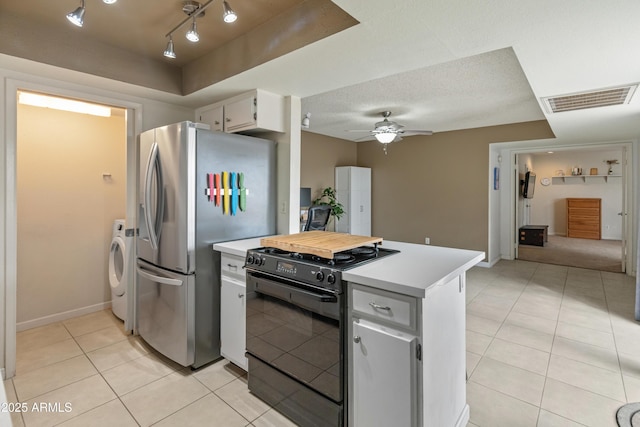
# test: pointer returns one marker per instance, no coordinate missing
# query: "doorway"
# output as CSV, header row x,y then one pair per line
x,y
71,186
133,128
595,175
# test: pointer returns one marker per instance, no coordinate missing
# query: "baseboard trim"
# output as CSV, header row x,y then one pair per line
x,y
58,317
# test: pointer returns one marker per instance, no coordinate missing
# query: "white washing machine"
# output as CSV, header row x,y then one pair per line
x,y
118,269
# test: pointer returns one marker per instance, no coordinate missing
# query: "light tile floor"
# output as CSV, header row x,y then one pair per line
x,y
550,346
547,346
108,378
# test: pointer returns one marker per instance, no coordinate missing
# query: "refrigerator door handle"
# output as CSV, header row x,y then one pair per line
x,y
151,223
158,279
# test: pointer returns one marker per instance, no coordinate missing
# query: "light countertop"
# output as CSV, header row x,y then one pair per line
x,y
238,247
413,271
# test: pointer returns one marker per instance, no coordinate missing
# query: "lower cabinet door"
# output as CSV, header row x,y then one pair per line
x,y
233,321
385,377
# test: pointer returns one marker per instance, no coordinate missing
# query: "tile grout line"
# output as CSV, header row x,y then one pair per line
x,y
101,376
553,341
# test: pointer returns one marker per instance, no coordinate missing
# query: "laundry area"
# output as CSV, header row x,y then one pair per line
x,y
71,186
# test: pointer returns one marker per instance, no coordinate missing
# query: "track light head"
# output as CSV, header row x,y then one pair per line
x,y
192,34
169,52
77,16
229,15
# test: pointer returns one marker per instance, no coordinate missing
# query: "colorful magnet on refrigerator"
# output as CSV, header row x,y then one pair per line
x,y
218,187
225,195
243,192
234,193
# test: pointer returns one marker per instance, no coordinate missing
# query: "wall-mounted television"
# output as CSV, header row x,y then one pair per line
x,y
528,185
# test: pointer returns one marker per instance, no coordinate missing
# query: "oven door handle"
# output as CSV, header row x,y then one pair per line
x,y
288,293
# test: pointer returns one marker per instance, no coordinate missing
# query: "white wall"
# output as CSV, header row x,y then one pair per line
x,y
548,205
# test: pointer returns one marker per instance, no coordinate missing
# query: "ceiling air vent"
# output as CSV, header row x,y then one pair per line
x,y
581,101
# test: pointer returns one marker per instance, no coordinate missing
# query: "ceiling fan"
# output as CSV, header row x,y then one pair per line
x,y
387,131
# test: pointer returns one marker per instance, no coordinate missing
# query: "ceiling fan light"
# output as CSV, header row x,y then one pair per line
x,y
192,34
169,52
109,1
385,137
77,16
229,15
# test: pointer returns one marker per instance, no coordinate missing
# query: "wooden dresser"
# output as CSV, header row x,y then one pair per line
x,y
583,218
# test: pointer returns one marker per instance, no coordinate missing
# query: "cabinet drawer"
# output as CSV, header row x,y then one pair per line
x,y
583,203
594,212
231,265
377,304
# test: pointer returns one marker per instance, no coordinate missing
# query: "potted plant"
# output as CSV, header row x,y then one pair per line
x,y
328,197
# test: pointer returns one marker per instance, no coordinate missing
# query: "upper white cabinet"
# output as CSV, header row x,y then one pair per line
x,y
252,111
353,190
214,117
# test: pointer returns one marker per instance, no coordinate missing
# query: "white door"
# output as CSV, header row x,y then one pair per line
x,y
384,376
232,321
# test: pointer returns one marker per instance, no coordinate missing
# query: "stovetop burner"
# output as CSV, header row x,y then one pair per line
x,y
276,251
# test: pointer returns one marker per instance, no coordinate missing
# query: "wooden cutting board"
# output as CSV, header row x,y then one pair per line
x,y
321,243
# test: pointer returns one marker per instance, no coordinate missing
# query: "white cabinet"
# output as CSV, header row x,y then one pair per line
x,y
385,383
253,111
353,191
385,358
214,117
232,310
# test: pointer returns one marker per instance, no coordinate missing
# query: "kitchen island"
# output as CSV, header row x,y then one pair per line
x,y
405,345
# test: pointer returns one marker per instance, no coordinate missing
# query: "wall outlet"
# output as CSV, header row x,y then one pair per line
x,y
427,241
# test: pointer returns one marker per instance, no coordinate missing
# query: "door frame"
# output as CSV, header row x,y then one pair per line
x,y
133,128
508,232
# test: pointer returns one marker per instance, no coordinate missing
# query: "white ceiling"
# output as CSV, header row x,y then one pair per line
x,y
449,64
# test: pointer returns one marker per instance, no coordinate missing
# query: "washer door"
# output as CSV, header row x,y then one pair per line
x,y
117,274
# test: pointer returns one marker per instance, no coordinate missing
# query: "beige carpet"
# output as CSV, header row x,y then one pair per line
x,y
604,255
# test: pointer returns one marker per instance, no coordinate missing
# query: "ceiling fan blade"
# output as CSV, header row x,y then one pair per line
x,y
417,132
363,138
358,130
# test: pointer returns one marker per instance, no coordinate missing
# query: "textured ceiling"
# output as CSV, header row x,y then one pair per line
x,y
438,64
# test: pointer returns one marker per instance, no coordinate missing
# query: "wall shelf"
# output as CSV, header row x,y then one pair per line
x,y
583,178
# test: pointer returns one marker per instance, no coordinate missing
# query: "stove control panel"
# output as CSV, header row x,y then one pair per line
x,y
286,267
294,269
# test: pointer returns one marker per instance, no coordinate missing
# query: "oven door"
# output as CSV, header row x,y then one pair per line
x,y
294,347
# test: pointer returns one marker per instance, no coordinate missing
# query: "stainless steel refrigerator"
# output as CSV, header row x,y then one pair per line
x,y
196,188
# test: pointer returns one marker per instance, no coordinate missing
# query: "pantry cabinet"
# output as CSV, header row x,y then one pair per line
x,y
250,112
353,191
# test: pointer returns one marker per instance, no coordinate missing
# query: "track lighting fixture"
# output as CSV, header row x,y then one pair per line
x,y
77,16
194,10
229,15
168,52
